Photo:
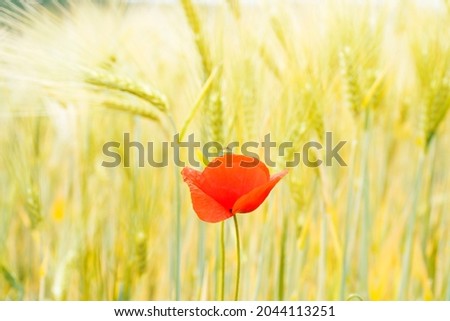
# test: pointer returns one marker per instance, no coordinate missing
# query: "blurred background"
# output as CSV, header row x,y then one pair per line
x,y
77,74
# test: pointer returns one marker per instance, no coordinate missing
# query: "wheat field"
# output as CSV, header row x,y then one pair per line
x,y
77,74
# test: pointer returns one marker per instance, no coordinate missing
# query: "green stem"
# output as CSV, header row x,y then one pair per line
x,y
365,224
177,276
222,250
178,239
407,252
348,216
447,295
322,268
427,239
281,275
238,249
201,256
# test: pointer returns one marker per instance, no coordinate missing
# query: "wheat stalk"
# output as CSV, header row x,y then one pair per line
x,y
204,92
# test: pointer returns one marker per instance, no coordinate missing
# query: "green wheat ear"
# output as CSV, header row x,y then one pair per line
x,y
435,108
214,111
314,112
12,281
33,206
215,116
430,52
141,253
351,81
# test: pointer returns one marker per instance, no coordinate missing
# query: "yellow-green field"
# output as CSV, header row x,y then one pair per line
x,y
375,74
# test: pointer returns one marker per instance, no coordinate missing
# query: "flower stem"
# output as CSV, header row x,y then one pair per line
x,y
222,250
238,249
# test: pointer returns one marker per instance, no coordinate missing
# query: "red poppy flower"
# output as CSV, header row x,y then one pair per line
x,y
230,184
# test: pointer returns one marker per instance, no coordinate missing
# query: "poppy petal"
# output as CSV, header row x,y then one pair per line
x,y
205,206
230,176
253,199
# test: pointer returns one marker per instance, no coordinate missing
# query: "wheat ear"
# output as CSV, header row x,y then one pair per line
x,y
190,11
114,82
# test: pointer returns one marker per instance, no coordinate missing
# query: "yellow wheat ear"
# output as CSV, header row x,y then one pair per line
x,y
235,8
114,82
195,23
